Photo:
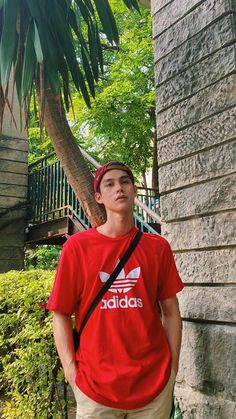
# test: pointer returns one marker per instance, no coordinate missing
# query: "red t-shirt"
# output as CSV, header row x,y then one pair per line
x,y
124,357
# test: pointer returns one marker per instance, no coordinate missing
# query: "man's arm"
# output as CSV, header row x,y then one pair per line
x,y
172,324
63,335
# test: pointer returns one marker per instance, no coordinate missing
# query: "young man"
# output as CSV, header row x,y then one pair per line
x,y
128,355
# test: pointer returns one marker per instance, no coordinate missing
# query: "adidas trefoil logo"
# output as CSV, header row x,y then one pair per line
x,y
123,283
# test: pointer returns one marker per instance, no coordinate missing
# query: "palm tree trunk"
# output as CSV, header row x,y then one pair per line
x,y
79,176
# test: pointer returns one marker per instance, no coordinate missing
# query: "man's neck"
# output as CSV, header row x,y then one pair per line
x,y
117,225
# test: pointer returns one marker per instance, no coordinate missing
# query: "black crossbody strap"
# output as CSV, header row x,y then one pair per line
x,y
110,280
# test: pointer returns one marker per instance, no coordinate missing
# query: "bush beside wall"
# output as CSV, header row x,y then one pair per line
x,y
32,383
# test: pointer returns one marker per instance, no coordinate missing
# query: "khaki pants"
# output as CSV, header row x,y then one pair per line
x,y
159,408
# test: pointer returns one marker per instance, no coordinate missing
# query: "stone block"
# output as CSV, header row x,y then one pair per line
x,y
157,5
196,405
207,133
216,266
15,155
12,240
7,202
185,12
13,190
13,179
13,166
202,16
208,164
206,42
13,227
214,99
197,77
8,253
9,265
201,233
216,195
207,360
11,215
208,303
14,143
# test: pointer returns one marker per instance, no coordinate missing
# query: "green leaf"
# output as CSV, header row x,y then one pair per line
x,y
66,41
29,63
88,72
135,5
103,8
115,33
93,51
131,3
37,45
84,11
8,39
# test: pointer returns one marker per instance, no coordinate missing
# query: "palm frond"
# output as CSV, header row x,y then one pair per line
x,y
8,40
53,35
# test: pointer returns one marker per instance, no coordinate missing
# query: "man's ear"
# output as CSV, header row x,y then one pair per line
x,y
98,197
135,190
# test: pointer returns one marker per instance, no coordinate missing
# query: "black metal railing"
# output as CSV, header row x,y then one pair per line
x,y
51,197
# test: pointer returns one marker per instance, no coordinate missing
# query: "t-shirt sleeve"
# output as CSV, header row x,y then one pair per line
x,y
65,293
169,281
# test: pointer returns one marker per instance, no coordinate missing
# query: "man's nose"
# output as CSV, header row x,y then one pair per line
x,y
119,186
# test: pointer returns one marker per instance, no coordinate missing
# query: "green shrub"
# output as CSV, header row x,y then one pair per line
x,y
41,257
31,378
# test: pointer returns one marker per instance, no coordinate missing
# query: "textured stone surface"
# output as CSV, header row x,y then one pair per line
x,y
194,49
14,227
208,71
11,264
11,128
195,405
207,361
7,202
13,167
157,5
14,143
196,126
207,266
209,101
12,178
212,231
8,253
205,165
13,240
216,195
214,130
208,303
11,154
206,13
187,13
13,190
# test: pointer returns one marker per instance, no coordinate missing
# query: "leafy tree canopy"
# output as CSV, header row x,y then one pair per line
x,y
121,122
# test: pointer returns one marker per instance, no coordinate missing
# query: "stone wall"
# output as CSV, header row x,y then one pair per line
x,y
195,52
13,190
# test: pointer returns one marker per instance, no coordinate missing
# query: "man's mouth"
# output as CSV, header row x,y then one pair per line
x,y
121,197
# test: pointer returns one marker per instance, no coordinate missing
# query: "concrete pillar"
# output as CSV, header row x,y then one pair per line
x,y
195,80
13,188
